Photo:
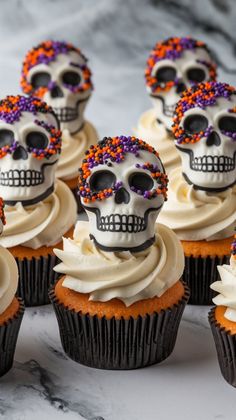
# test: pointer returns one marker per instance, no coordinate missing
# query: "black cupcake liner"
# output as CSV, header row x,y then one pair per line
x,y
80,208
36,275
199,274
118,343
8,338
225,348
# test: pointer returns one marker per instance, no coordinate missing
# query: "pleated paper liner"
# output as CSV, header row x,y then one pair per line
x,y
225,348
118,343
199,274
36,275
8,338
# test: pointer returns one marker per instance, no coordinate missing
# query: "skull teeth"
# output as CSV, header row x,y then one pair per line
x,y
66,114
213,164
17,178
169,110
121,223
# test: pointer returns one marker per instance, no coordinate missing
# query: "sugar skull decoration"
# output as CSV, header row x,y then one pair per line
x,y
122,185
2,215
205,132
30,143
57,72
173,66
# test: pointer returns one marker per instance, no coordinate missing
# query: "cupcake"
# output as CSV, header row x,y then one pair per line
x,y
172,66
222,318
202,193
11,308
57,72
120,299
38,210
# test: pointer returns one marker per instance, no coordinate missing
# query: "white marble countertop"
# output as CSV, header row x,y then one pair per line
x,y
45,382
117,36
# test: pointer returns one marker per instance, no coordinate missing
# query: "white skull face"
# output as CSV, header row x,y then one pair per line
x,y
125,219
210,163
23,176
192,67
63,82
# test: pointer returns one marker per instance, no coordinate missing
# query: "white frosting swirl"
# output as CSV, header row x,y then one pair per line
x,y
73,149
197,215
226,289
155,133
41,224
124,275
8,280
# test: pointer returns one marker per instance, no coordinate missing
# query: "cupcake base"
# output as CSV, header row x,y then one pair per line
x,y
36,273
199,274
226,348
118,344
201,260
73,185
9,330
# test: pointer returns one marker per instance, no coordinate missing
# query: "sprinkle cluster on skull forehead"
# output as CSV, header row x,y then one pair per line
x,y
45,53
11,109
172,49
202,96
2,215
114,149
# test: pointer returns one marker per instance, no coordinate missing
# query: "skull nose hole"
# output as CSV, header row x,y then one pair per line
x,y
180,87
20,153
213,139
122,196
56,92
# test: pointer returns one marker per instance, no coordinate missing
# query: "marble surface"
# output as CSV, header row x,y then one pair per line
x,y
117,36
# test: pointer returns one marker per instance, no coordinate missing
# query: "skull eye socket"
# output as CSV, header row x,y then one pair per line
x,y
196,75
227,124
6,137
36,140
195,123
102,180
41,79
71,78
166,74
140,181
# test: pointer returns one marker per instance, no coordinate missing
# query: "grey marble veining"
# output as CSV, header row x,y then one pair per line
x,y
117,36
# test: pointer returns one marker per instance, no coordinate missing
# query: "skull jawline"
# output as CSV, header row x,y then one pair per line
x,y
207,189
137,248
40,197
